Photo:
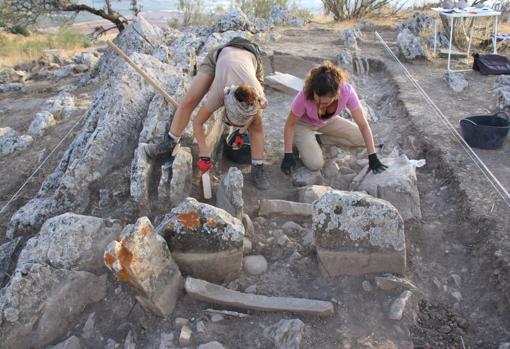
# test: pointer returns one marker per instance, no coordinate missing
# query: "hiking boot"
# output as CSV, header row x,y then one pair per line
x,y
258,178
160,151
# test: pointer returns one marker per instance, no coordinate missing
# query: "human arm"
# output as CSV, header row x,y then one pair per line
x,y
198,130
374,163
288,138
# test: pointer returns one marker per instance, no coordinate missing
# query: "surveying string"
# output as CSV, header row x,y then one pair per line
x,y
474,157
42,164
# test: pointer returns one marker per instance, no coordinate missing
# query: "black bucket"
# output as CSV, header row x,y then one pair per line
x,y
240,155
485,131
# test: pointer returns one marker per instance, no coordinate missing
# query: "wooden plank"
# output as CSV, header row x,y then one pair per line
x,y
211,293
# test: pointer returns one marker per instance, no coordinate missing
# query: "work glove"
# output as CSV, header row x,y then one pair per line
x,y
375,165
288,163
204,164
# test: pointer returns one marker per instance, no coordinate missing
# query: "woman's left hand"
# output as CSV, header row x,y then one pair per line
x,y
375,165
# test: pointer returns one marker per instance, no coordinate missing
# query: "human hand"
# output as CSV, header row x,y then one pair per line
x,y
204,164
375,165
288,163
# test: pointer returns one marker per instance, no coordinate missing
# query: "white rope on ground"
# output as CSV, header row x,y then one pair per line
x,y
41,164
496,184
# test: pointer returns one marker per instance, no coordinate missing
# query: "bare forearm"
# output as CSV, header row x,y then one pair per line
x,y
288,137
366,132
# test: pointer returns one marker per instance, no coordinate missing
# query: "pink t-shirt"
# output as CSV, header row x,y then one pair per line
x,y
307,110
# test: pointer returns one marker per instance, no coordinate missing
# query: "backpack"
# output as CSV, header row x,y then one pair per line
x,y
491,64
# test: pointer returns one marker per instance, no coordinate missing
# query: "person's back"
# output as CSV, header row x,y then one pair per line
x,y
234,66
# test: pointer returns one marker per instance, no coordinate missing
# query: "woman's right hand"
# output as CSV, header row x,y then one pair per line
x,y
288,163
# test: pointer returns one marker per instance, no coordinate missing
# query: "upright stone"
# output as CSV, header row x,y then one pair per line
x,y
356,234
141,172
205,241
398,185
175,183
142,258
230,193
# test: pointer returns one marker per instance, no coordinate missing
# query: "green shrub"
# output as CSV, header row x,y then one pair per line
x,y
298,12
261,8
347,9
21,30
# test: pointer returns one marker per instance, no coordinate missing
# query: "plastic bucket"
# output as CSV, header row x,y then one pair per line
x,y
485,131
241,155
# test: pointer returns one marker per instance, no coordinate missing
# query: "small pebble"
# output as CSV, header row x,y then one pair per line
x,y
180,321
201,327
185,336
217,318
367,286
255,265
445,329
283,240
251,289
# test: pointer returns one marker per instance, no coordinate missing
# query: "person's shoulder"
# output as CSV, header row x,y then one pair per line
x,y
347,87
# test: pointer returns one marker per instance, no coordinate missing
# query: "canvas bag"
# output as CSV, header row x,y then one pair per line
x,y
491,64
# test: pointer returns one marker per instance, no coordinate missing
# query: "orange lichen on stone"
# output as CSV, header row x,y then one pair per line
x,y
109,259
189,219
145,231
125,259
212,223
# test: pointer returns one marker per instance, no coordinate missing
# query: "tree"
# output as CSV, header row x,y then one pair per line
x,y
26,12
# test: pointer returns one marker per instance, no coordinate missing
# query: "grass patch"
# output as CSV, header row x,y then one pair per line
x,y
18,49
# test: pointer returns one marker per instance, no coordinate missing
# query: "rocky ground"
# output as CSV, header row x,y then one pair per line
x,y
420,262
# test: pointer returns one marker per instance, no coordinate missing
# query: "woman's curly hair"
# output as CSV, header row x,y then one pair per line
x,y
247,94
324,80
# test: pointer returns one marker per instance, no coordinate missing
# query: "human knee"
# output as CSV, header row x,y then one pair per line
x,y
190,101
314,163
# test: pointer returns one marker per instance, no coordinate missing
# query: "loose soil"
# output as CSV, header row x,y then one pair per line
x,y
457,253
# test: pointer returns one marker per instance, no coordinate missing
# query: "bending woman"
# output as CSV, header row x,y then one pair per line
x,y
316,109
231,75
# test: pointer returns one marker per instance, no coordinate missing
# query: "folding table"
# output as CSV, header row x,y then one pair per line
x,y
465,13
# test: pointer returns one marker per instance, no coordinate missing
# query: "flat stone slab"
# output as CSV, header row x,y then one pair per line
x,y
284,82
357,234
284,208
211,293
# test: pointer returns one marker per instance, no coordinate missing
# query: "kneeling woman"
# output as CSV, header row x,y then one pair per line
x,y
316,109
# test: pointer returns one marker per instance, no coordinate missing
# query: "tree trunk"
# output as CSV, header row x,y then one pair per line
x,y
111,16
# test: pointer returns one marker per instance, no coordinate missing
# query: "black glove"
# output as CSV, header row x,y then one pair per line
x,y
288,163
375,165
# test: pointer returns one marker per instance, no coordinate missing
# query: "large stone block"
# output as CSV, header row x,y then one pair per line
x,y
356,234
141,258
71,241
230,193
175,182
41,303
398,185
206,241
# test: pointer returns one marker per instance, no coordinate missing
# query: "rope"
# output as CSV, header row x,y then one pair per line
x,y
496,184
42,164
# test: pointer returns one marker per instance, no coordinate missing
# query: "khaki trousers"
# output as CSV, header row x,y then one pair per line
x,y
337,131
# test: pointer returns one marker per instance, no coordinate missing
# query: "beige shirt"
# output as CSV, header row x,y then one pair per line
x,y
234,67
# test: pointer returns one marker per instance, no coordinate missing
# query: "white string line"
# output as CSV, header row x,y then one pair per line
x,y
500,189
41,164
